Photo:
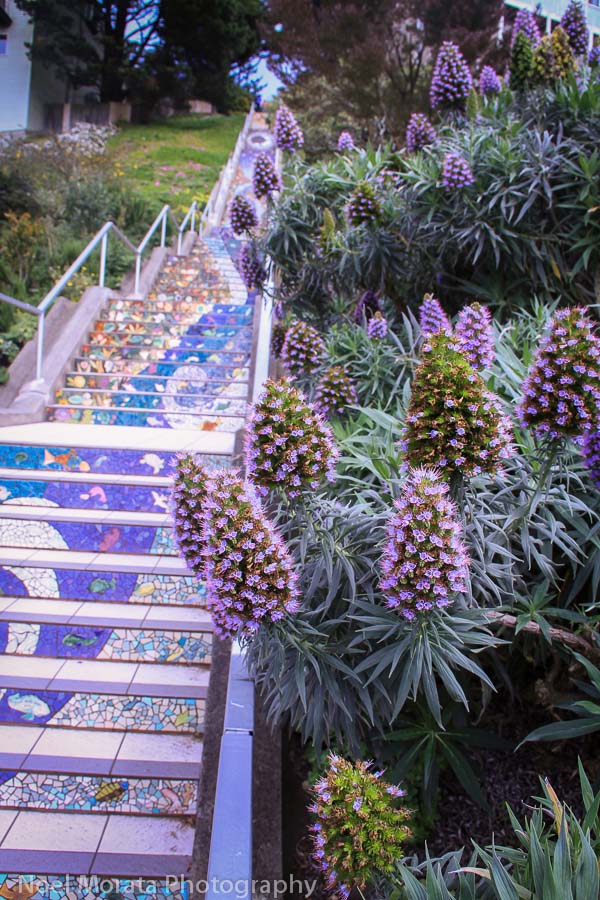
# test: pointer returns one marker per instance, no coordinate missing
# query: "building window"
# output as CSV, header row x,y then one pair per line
x,y
3,44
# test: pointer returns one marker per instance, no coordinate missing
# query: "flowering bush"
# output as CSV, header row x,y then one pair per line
x,y
456,173
242,215
424,561
345,142
419,132
288,134
288,445
453,421
265,179
561,394
364,207
335,391
248,571
451,82
251,268
432,317
521,62
525,23
377,327
562,51
303,349
359,830
574,23
475,336
489,82
544,68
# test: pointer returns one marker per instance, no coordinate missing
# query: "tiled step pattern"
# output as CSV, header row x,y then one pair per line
x,y
105,641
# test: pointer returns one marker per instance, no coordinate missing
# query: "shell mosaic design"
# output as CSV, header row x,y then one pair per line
x,y
91,793
91,459
116,712
88,536
96,642
74,887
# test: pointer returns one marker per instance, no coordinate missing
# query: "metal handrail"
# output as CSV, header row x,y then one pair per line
x,y
101,238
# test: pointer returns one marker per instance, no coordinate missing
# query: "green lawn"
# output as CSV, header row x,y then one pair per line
x,y
176,161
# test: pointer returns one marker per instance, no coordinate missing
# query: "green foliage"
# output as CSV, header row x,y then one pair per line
x,y
521,62
587,711
532,230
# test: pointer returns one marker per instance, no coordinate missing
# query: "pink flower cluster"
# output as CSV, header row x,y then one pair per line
x,y
303,349
419,132
451,83
251,268
242,215
288,134
475,336
265,179
335,391
377,327
432,317
345,142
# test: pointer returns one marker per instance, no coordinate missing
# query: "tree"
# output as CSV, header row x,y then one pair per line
x,y
213,37
374,55
94,43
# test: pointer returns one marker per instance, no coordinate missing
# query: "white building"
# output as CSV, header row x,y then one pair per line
x,y
32,96
552,10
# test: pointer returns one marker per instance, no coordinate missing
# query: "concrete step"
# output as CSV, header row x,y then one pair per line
x,y
189,341
151,330
179,354
214,421
30,674
209,371
32,748
96,614
192,404
133,846
156,384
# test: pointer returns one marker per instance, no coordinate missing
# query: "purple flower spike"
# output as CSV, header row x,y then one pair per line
x,y
352,805
453,422
594,57
424,562
363,207
432,317
574,22
456,173
251,268
526,24
242,215
303,349
345,142
288,445
489,83
367,306
419,133
265,179
451,83
591,454
475,336
561,394
335,391
377,327
288,134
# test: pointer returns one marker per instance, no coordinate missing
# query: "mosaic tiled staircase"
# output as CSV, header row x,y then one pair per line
x,y
105,643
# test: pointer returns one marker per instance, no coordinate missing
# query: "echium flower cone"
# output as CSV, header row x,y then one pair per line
x,y
345,142
248,570
377,327
419,132
359,830
363,206
489,82
456,173
521,63
288,134
303,349
335,391
475,335
525,24
288,445
242,215
453,421
451,82
574,23
424,561
561,394
251,268
187,502
432,317
591,454
265,179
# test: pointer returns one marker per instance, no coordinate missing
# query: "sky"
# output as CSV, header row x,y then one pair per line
x,y
271,82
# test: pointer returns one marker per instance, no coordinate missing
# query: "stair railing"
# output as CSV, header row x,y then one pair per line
x,y
100,239
221,187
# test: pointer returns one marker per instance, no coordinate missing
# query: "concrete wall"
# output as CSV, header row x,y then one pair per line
x,y
15,70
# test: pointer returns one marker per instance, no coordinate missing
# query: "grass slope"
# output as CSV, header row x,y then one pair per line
x,y
178,160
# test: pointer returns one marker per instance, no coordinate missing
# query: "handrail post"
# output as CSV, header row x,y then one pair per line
x,y
163,231
40,347
138,271
103,250
193,225
179,239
